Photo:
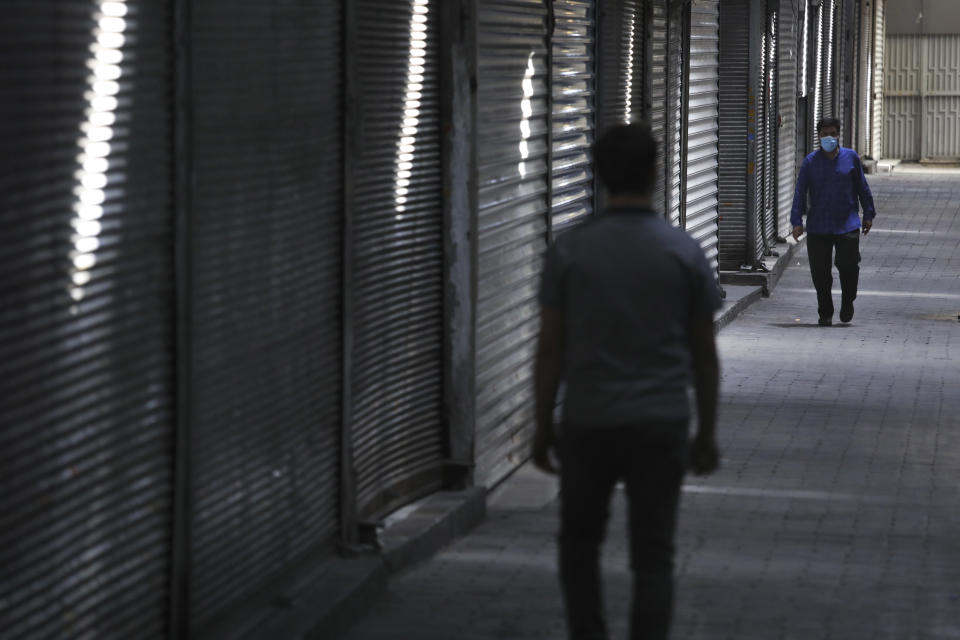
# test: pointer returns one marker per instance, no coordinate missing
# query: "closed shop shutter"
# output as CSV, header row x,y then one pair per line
x,y
787,101
621,63
512,152
865,79
806,102
673,150
574,90
396,277
845,29
87,333
760,167
770,132
266,252
734,78
877,115
702,127
818,70
657,107
828,10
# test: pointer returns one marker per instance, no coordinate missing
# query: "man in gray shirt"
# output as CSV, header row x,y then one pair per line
x,y
627,304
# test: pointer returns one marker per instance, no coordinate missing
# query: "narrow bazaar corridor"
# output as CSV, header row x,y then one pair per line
x,y
835,512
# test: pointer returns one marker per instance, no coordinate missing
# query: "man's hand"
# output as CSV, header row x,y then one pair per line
x,y
544,441
867,225
797,232
704,455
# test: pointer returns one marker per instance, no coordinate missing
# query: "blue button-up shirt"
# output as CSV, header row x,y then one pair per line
x,y
835,185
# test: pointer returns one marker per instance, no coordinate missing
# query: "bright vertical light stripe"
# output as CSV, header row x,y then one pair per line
x,y
94,141
829,61
407,141
805,51
526,110
631,28
818,80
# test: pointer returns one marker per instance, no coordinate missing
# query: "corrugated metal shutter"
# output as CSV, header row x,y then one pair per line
x,y
574,89
513,104
734,78
266,247
656,108
760,166
87,335
621,62
787,100
828,9
818,89
865,79
673,151
701,200
770,196
879,25
845,29
396,276
805,91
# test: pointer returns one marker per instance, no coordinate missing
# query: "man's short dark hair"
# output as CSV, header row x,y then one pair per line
x,y
826,123
626,159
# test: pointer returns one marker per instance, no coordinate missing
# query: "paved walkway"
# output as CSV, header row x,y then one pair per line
x,y
837,512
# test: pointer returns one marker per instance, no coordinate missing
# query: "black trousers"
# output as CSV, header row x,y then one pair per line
x,y
844,251
651,460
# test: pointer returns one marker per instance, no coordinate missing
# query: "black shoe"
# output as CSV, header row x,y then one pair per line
x,y
846,312
825,322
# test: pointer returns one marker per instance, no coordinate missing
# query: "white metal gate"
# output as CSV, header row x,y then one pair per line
x,y
921,97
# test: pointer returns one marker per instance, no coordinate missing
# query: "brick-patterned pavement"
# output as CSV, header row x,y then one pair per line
x,y
837,512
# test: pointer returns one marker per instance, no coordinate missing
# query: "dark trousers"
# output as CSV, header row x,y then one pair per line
x,y
650,459
844,251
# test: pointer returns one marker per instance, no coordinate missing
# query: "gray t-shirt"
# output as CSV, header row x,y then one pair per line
x,y
628,285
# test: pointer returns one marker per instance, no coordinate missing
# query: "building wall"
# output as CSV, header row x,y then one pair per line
x,y
938,16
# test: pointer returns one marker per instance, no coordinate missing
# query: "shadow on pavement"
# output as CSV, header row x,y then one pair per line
x,y
807,325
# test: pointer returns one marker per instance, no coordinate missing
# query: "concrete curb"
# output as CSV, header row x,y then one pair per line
x,y
436,520
325,602
768,279
729,313
761,283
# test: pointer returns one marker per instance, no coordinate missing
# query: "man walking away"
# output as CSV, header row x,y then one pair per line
x,y
834,178
627,304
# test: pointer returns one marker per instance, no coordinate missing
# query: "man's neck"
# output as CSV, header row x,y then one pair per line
x,y
833,154
629,201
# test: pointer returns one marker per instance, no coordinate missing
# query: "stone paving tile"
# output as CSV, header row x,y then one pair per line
x,y
835,515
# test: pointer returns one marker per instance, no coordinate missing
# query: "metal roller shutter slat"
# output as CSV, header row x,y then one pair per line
x,y
512,220
87,445
703,153
787,131
266,255
573,112
733,79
